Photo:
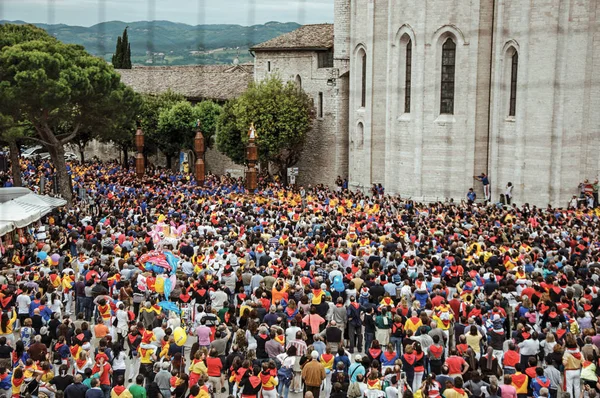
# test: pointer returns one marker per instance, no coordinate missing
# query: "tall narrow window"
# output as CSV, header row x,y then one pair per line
x,y
320,104
448,69
513,84
363,86
360,135
268,66
407,77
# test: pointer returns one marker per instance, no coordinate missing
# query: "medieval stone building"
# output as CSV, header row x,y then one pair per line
x,y
422,95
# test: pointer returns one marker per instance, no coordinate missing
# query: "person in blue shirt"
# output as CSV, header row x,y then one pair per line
x,y
356,369
540,381
471,196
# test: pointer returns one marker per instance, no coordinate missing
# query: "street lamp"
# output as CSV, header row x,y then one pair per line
x,y
139,157
199,149
252,157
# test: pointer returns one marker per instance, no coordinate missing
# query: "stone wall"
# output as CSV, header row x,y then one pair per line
x,y
544,150
319,163
552,142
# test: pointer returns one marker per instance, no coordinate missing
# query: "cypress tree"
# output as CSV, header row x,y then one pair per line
x,y
117,58
127,58
122,57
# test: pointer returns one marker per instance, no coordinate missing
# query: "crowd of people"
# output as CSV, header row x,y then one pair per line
x,y
303,290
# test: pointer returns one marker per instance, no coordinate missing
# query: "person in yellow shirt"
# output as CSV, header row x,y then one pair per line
x,y
17,380
7,324
413,323
520,381
147,353
198,367
120,391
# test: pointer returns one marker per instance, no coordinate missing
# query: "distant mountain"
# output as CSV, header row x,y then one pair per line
x,y
164,42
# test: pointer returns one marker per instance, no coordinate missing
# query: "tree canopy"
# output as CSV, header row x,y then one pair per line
x,y
177,125
59,89
282,115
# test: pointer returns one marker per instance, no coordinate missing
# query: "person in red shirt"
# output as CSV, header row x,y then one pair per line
x,y
510,359
457,366
102,363
214,370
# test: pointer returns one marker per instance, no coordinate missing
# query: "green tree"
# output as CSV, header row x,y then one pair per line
x,y
126,51
58,89
282,115
229,136
150,110
208,113
121,59
10,134
117,58
176,127
124,121
12,131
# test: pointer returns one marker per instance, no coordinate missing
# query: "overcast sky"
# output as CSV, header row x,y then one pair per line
x,y
193,12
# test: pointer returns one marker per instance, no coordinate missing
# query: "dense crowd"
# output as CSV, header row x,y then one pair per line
x,y
324,292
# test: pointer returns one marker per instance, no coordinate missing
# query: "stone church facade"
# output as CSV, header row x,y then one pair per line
x,y
443,90
422,95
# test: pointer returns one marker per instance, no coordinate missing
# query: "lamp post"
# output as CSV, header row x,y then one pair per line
x,y
139,157
199,149
252,157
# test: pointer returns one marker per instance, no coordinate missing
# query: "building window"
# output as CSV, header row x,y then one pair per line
x,y
448,69
407,77
320,104
268,66
360,136
325,59
298,81
363,82
513,84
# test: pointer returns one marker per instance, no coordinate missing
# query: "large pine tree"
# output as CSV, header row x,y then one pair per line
x,y
122,57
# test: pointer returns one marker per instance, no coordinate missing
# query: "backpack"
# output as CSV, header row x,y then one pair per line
x,y
285,374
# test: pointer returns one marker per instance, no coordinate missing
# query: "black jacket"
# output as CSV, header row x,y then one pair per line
x,y
75,390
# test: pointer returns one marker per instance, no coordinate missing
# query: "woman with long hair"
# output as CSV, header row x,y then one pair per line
x,y
473,339
431,387
118,366
7,323
419,365
82,363
572,361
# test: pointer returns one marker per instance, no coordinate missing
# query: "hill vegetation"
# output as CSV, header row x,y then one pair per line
x,y
170,43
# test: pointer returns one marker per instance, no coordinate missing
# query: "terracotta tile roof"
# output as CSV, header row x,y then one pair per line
x,y
217,82
307,37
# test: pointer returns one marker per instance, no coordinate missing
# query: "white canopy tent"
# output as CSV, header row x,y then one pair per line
x,y
20,207
6,227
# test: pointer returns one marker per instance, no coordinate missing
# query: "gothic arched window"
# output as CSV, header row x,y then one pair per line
x,y
448,70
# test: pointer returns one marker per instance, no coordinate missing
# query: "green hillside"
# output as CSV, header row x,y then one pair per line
x,y
170,43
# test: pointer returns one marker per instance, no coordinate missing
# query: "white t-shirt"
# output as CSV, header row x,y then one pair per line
x,y
119,362
286,360
23,302
290,333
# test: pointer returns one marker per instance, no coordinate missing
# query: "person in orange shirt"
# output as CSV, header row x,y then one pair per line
x,y
100,330
279,291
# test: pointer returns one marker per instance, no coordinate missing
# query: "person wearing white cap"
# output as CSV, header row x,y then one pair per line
x,y
356,368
